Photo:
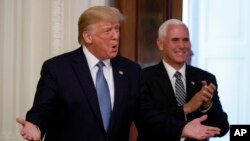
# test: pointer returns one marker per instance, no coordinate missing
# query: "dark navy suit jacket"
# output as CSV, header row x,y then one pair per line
x,y
66,106
163,97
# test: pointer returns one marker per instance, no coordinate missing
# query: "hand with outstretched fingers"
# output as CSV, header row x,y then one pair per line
x,y
29,131
194,129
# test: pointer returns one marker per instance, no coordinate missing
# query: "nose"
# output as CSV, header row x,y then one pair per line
x,y
184,43
181,44
116,34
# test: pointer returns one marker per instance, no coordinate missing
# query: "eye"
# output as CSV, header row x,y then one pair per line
x,y
175,39
117,28
107,30
186,39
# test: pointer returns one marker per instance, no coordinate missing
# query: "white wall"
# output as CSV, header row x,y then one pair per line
x,y
31,31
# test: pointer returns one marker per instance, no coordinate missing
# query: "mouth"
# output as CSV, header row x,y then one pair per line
x,y
114,46
180,52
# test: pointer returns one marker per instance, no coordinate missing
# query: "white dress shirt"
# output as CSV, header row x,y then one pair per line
x,y
171,71
107,70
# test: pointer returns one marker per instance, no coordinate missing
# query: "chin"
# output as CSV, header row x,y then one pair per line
x,y
113,55
181,61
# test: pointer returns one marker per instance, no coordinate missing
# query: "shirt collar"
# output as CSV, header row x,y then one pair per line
x,y
171,71
92,60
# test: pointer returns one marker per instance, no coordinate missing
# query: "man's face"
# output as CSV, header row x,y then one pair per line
x,y
175,46
104,39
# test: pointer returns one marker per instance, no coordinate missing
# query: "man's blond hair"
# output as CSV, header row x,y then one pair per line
x,y
94,15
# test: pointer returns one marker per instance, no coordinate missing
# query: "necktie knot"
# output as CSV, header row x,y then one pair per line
x,y
100,65
178,75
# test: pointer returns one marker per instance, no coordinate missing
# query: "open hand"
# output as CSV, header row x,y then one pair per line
x,y
29,131
194,129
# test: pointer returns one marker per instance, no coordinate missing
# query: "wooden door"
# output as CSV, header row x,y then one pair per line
x,y
140,28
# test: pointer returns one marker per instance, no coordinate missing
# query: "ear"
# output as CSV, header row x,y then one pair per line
x,y
87,37
159,43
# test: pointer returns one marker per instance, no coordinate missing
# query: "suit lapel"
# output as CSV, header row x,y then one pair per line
x,y
119,80
166,84
81,68
192,84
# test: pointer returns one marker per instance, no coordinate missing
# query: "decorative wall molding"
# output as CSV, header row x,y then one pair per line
x,y
58,7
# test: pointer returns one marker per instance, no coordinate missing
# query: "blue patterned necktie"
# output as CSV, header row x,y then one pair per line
x,y
103,95
179,90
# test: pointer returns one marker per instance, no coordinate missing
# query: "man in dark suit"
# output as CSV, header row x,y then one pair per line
x,y
200,87
68,104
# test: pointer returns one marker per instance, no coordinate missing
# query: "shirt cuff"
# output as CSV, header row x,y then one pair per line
x,y
202,110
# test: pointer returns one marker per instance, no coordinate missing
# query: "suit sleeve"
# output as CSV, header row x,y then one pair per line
x,y
216,116
43,107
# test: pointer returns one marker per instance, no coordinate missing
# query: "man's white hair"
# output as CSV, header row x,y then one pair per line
x,y
162,32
